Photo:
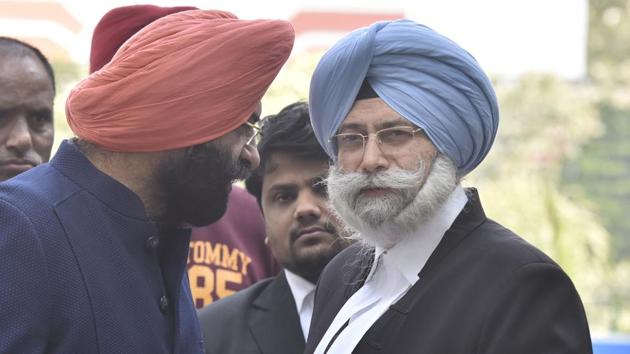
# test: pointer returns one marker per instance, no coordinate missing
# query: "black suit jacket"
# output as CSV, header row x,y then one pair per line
x,y
260,319
483,290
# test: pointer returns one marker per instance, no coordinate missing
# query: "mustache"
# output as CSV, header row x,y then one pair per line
x,y
233,170
326,226
354,182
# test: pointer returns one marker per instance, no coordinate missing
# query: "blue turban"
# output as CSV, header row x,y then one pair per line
x,y
425,77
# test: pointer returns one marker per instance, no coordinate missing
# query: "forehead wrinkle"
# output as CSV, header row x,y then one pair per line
x,y
289,180
385,123
270,167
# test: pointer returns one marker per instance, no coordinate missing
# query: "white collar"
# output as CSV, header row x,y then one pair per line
x,y
411,254
300,288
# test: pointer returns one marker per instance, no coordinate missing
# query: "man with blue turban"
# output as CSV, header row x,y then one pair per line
x,y
405,113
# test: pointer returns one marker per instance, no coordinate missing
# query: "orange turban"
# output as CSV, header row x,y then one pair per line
x,y
184,79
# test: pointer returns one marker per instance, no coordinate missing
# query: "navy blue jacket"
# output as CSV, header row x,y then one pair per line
x,y
82,269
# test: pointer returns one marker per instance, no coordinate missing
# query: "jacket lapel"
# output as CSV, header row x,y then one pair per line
x,y
468,219
274,321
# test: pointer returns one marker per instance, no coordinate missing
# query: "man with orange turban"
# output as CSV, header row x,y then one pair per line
x,y
93,245
230,254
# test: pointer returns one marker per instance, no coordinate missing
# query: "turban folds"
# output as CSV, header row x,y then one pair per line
x,y
121,23
425,77
184,79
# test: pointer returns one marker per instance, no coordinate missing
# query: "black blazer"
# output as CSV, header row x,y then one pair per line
x,y
483,290
260,319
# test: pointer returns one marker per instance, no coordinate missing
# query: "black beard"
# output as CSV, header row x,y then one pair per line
x,y
311,267
196,188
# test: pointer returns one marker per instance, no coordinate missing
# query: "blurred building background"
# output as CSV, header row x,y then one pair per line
x,y
559,173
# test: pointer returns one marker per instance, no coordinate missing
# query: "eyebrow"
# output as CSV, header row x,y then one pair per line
x,y
288,185
283,187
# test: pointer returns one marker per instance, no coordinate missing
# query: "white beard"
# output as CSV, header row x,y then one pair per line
x,y
384,221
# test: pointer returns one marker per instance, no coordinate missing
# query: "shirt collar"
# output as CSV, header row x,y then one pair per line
x,y
411,254
300,288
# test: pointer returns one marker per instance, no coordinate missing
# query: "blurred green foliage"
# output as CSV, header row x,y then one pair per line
x,y
602,173
67,74
600,176
545,124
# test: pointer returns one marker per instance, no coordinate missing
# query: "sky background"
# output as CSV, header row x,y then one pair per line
x,y
508,37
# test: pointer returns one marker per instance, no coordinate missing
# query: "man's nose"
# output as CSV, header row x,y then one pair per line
x,y
249,155
308,206
373,159
20,139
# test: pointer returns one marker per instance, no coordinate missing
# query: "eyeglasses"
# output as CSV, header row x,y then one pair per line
x,y
351,146
251,132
